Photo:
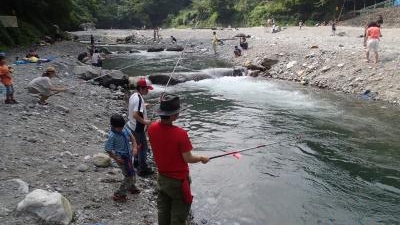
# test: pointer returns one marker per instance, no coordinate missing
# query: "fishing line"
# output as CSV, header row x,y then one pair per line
x,y
297,138
179,59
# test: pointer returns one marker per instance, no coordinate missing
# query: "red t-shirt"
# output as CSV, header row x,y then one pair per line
x,y
374,32
168,143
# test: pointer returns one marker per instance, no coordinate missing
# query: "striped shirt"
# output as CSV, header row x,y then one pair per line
x,y
118,143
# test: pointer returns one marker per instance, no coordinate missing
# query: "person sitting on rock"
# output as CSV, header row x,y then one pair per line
x,y
43,86
173,39
243,43
121,146
237,51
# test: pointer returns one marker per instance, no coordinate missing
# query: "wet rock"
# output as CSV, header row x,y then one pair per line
x,y
155,49
175,49
254,73
49,206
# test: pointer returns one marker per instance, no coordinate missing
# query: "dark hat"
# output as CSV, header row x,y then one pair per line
x,y
169,105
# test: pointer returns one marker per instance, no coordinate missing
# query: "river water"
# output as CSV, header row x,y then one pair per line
x,y
330,159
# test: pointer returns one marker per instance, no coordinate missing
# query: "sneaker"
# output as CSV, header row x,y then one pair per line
x,y
8,101
146,172
134,190
13,101
119,198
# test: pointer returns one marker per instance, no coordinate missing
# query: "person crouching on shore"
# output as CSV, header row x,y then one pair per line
x,y
43,86
6,79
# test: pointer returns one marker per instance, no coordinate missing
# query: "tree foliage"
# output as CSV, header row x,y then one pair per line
x,y
37,17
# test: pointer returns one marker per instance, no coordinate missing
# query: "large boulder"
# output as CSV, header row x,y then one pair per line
x,y
249,65
101,160
112,78
86,72
155,49
11,192
268,63
175,49
180,77
49,206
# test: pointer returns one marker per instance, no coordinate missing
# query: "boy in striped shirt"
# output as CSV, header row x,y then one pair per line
x,y
121,146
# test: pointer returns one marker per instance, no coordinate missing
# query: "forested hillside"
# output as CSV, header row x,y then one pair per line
x,y
38,17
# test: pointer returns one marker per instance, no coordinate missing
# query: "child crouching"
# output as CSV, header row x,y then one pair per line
x,y
121,151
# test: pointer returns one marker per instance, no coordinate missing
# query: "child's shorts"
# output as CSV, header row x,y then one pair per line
x,y
9,90
373,45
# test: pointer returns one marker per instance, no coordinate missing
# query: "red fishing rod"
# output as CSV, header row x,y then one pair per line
x,y
252,148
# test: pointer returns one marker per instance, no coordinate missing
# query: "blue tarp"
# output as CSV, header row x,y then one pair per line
x,y
397,3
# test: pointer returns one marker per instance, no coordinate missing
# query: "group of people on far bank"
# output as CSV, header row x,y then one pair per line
x,y
236,51
171,147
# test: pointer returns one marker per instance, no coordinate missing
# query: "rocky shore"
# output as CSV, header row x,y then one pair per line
x,y
52,148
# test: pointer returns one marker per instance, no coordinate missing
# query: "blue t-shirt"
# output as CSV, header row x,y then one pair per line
x,y
118,143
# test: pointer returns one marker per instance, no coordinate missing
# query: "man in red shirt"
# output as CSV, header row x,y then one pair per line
x,y
171,148
373,34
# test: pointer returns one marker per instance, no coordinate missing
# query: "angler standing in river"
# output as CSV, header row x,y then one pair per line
x,y
171,148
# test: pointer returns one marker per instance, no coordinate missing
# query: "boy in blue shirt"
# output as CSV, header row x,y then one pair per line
x,y
121,151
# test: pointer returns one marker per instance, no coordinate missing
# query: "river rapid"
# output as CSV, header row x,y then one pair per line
x,y
330,158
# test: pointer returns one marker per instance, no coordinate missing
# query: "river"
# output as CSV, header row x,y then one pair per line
x,y
331,158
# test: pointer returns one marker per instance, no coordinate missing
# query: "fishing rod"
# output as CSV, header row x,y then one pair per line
x,y
86,81
252,148
235,152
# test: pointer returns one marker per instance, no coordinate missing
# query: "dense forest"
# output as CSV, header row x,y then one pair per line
x,y
38,17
